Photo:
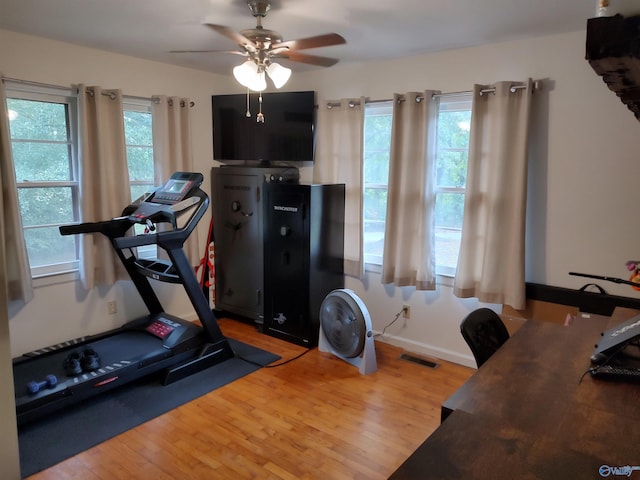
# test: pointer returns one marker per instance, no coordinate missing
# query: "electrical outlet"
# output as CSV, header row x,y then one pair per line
x,y
406,311
112,307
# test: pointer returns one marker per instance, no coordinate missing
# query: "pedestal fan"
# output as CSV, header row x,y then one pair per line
x,y
345,330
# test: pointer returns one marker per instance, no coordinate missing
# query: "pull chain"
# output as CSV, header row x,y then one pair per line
x,y
260,116
248,114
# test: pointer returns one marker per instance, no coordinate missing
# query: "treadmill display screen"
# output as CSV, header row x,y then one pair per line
x,y
174,190
176,186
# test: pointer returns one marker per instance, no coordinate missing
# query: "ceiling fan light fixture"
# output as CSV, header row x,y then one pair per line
x,y
249,75
278,74
260,83
245,73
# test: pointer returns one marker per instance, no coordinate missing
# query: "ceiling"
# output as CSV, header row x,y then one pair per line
x,y
374,29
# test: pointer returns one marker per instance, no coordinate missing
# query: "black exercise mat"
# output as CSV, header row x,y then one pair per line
x,y
67,433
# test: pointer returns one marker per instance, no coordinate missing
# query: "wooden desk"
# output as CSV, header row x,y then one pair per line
x,y
526,413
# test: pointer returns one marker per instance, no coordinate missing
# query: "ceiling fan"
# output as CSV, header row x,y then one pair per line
x,y
261,45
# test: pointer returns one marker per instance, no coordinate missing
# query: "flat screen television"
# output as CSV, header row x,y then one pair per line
x,y
287,135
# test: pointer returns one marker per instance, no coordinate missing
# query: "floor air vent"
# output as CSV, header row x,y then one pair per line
x,y
420,361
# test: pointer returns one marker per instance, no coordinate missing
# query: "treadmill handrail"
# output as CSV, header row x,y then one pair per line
x,y
111,228
116,228
170,238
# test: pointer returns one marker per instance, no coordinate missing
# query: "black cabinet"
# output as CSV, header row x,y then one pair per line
x,y
303,257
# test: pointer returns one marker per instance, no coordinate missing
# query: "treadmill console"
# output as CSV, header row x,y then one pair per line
x,y
177,187
167,200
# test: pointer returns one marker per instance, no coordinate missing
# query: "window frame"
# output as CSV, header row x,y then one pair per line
x,y
133,104
380,108
457,102
68,271
57,95
461,102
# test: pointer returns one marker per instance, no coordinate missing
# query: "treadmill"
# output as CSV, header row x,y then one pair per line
x,y
158,343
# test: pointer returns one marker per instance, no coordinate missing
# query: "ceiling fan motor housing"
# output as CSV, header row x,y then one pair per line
x,y
259,8
262,37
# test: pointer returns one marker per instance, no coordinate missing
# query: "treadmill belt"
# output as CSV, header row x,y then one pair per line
x,y
116,353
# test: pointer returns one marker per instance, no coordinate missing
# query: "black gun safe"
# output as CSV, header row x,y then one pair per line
x,y
237,209
303,257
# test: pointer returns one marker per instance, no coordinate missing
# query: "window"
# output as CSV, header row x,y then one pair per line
x,y
377,145
139,142
454,119
43,127
43,132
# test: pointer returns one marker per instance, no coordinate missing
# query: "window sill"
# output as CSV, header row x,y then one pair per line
x,y
442,278
372,268
55,279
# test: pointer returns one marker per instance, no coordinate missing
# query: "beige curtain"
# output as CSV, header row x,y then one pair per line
x,y
491,261
172,151
339,159
17,273
408,258
104,179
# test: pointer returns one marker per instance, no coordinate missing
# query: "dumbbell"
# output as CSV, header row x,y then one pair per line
x,y
49,382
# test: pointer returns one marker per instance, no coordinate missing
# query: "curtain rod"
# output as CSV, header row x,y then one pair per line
x,y
537,85
60,87
36,84
153,99
513,89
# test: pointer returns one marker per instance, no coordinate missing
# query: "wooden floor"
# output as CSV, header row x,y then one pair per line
x,y
313,418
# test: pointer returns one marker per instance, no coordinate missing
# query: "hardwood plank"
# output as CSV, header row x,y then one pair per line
x,y
315,417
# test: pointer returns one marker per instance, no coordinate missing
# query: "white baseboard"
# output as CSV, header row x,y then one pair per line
x,y
428,350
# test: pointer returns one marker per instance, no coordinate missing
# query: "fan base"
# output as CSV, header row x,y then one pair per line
x,y
365,362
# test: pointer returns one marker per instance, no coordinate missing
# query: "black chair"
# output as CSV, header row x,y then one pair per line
x,y
484,332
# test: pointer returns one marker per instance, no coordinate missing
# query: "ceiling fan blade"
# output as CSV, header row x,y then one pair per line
x,y
234,52
309,59
326,40
236,37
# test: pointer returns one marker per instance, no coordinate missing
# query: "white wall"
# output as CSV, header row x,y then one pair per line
x,y
64,310
582,177
583,171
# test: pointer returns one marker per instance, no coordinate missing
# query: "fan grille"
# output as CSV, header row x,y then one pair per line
x,y
343,324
